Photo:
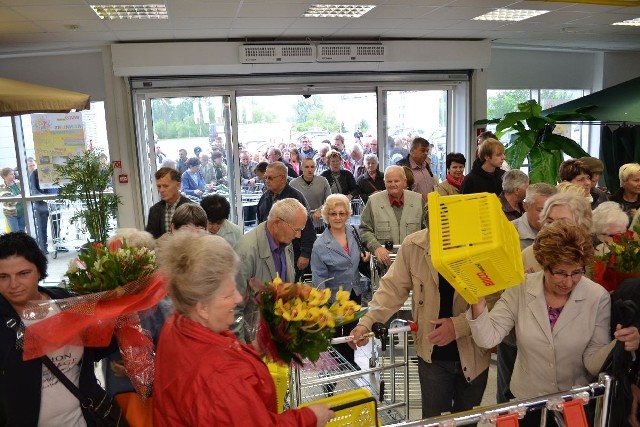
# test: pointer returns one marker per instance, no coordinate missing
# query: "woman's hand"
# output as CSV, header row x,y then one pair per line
x,y
383,255
365,256
323,413
357,334
478,308
629,336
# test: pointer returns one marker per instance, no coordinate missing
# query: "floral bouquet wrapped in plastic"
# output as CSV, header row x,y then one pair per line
x,y
297,321
114,283
620,260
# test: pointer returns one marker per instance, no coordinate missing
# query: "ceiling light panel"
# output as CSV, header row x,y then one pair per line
x,y
510,15
337,10
629,22
131,11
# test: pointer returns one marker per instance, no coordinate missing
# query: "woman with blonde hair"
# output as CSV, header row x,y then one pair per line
x,y
336,255
204,375
628,195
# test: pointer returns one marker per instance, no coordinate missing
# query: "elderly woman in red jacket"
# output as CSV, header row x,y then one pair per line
x,y
204,375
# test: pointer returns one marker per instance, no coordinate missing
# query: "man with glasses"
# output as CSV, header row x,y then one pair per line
x,y
266,253
278,188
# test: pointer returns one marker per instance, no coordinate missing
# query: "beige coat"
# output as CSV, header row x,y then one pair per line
x,y
549,361
379,223
412,271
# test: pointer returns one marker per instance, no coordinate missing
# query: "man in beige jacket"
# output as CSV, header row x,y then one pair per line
x,y
452,369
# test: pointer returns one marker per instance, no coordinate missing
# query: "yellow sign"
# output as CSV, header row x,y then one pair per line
x,y
56,137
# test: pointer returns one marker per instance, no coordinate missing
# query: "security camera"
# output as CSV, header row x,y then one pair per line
x,y
307,95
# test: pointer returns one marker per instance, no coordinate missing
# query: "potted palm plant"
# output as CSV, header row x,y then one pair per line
x,y
532,138
87,178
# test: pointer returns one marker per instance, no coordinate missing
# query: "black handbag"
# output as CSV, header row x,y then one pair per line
x,y
363,267
105,412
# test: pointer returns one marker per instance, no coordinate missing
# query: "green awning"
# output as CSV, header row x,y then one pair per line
x,y
619,103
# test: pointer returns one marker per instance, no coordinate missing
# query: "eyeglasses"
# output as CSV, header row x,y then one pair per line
x,y
561,275
271,178
337,214
295,230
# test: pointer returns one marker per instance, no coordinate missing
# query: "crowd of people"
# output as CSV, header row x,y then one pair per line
x,y
552,331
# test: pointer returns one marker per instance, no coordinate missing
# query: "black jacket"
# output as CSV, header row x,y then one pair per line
x,y
301,246
367,186
155,221
21,382
346,181
481,181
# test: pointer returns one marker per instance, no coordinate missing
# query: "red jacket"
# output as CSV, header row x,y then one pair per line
x,y
204,378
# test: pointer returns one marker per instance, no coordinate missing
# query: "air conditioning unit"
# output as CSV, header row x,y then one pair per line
x,y
276,53
351,53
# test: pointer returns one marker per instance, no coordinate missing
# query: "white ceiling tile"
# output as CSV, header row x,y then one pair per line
x,y
391,12
277,10
195,24
63,13
198,10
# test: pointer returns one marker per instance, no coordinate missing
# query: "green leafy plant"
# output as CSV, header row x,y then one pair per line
x,y
532,138
86,178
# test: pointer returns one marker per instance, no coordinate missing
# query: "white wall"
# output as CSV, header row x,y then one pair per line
x,y
525,69
81,72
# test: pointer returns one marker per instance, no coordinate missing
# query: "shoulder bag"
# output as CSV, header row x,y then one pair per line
x,y
363,267
105,412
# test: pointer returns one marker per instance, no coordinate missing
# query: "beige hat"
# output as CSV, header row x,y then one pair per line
x,y
594,164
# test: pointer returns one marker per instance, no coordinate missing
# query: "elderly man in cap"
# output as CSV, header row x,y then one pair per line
x,y
596,167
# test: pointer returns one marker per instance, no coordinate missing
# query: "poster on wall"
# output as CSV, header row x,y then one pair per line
x,y
56,137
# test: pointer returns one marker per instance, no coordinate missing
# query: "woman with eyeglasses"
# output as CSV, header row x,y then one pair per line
x,y
560,317
335,258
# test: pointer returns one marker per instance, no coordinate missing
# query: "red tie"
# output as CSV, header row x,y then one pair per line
x,y
397,203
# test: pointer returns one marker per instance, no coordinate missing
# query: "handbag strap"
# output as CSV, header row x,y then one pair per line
x,y
85,402
357,237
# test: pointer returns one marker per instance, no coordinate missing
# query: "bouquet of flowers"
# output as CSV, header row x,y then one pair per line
x,y
620,260
297,321
114,284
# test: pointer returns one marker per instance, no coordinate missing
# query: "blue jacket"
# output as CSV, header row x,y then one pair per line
x,y
189,185
332,267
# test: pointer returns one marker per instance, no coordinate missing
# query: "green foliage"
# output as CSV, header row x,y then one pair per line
x,y
532,138
310,113
173,118
85,178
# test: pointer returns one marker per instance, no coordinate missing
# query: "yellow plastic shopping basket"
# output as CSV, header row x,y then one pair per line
x,y
280,375
473,245
356,408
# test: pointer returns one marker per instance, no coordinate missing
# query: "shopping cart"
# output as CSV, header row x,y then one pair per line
x,y
332,376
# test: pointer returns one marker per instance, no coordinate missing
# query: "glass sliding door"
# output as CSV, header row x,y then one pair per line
x,y
412,113
178,131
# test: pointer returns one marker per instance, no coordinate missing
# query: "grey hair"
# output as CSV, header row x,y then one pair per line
x,y
195,264
357,148
276,151
371,156
578,204
608,214
134,238
332,202
539,189
278,167
395,168
513,180
286,209
189,214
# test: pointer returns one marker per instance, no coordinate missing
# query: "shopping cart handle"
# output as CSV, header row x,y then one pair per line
x,y
410,327
355,403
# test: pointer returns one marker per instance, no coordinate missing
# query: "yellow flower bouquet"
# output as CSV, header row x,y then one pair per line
x,y
297,321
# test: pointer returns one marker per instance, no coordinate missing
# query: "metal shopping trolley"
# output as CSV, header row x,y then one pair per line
x,y
334,380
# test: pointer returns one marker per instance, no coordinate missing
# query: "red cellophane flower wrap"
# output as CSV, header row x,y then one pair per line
x,y
619,260
117,284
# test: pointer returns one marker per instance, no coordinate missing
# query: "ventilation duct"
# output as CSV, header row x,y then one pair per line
x,y
351,53
277,53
